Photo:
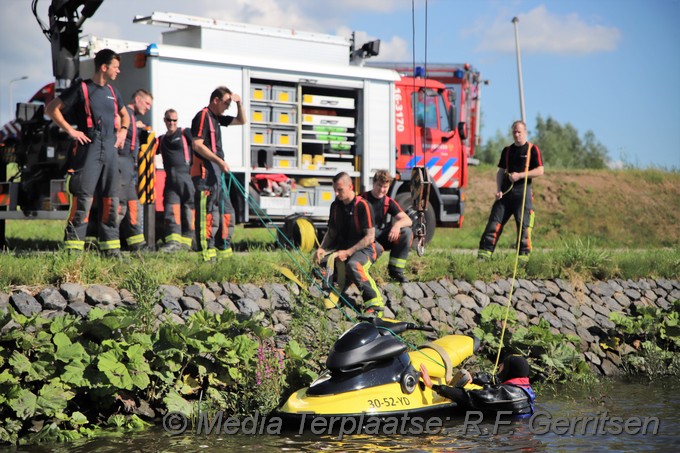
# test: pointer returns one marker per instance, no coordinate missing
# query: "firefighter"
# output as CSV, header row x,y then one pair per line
x,y
130,213
102,122
351,236
178,194
519,161
215,212
395,236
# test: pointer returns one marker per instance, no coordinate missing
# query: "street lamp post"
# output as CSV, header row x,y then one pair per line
x,y
10,94
515,20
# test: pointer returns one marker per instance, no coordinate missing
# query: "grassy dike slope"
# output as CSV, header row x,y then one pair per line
x,y
637,209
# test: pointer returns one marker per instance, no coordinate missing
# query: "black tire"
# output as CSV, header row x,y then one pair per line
x,y
404,200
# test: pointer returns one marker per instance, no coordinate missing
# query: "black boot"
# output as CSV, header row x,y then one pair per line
x,y
397,275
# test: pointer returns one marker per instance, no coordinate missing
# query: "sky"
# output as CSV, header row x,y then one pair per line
x,y
607,66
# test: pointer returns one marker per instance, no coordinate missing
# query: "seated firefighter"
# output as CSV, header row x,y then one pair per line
x,y
510,390
350,239
395,235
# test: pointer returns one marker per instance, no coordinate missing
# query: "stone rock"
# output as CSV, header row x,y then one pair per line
x,y
565,285
169,291
422,316
264,304
632,294
568,299
51,314
449,286
174,318
482,287
25,304
247,307
587,310
611,303
127,297
409,304
252,292
232,290
52,299
602,289
105,306
227,303
522,294
584,335
214,308
427,291
79,308
215,288
466,301
195,291
438,289
524,307
446,304
616,360
608,368
495,288
439,314
72,292
282,317
189,303
504,286
564,315
171,305
528,285
467,316
592,358
552,319
4,302
481,298
538,297
278,294
412,290
186,314
463,286
99,294
552,287
557,302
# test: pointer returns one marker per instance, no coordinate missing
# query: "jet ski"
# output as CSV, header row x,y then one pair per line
x,y
371,373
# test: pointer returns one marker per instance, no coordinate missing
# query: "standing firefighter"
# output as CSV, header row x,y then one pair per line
x,y
395,236
95,106
519,162
351,235
215,212
130,209
178,194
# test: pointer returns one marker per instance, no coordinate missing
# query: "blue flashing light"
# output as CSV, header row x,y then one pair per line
x,y
152,50
458,73
419,71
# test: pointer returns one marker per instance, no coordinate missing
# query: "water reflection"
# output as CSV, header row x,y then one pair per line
x,y
618,399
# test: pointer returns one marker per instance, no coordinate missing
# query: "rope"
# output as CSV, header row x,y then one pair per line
x,y
514,270
268,224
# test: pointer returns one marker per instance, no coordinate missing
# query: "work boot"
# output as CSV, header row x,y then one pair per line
x,y
138,247
112,253
484,255
397,275
171,247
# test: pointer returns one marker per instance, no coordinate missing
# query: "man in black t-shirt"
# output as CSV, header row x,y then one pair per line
x,y
178,194
396,235
351,237
519,161
215,213
94,107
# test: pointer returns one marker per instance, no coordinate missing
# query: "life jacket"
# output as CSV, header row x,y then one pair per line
x,y
88,110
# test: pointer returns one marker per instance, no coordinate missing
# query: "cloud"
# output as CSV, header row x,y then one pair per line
x,y
543,32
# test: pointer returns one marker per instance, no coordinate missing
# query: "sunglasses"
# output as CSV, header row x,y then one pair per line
x,y
170,120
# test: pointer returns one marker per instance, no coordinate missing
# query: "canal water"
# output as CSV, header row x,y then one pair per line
x,y
612,416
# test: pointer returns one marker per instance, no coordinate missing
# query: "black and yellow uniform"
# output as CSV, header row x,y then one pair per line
x,y
179,191
513,160
130,213
381,209
215,213
93,166
349,221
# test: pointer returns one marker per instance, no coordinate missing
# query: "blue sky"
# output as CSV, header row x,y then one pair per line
x,y
609,66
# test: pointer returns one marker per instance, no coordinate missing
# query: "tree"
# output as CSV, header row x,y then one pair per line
x,y
561,146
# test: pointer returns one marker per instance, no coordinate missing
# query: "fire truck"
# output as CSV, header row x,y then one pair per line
x,y
314,109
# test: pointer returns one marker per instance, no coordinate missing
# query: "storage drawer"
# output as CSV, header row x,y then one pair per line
x,y
328,101
327,120
275,202
303,197
260,135
284,115
285,162
283,93
288,138
260,114
324,195
259,92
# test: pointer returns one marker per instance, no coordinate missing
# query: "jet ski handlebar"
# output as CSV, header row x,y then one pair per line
x,y
395,327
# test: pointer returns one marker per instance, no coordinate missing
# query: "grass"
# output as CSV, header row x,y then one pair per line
x,y
594,224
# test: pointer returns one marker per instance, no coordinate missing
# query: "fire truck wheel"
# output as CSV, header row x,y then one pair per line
x,y
404,200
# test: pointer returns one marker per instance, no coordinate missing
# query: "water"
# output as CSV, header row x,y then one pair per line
x,y
629,400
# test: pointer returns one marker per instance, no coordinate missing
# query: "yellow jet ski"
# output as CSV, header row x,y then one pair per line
x,y
370,373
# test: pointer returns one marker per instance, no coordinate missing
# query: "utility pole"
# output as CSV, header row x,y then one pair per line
x,y
515,20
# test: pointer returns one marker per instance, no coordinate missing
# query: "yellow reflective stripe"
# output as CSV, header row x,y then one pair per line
x,y
136,239
225,253
397,262
185,241
74,245
202,234
174,237
109,245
